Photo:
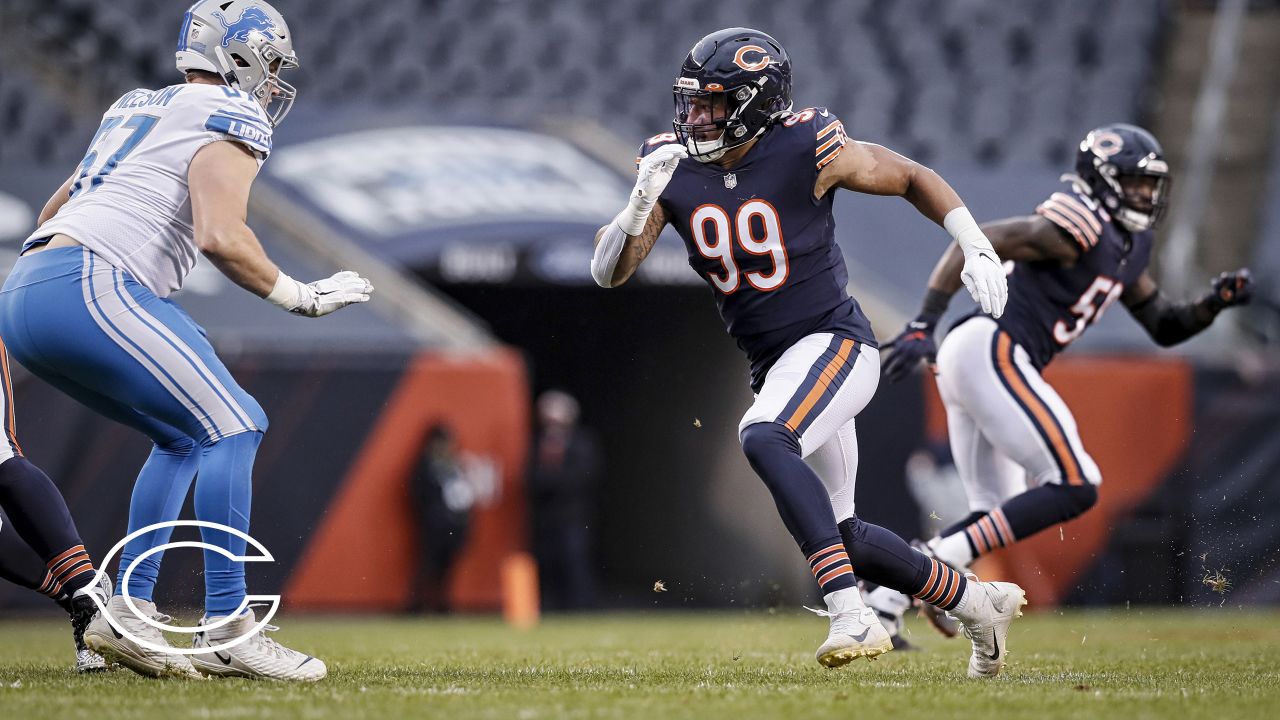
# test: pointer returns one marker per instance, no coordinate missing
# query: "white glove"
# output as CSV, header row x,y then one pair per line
x,y
983,274
322,296
655,172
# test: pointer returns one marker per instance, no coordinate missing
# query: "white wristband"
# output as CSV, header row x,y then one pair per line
x,y
286,293
608,250
633,217
961,226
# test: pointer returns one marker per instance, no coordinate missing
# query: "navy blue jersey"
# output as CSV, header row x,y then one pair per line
x,y
763,243
1051,304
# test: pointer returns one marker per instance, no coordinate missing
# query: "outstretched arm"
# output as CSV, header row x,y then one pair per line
x,y
869,168
1021,239
219,179
1168,322
876,170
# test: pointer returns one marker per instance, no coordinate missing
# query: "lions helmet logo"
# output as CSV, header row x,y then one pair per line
x,y
252,19
740,58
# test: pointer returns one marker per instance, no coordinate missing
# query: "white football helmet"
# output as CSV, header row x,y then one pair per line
x,y
240,40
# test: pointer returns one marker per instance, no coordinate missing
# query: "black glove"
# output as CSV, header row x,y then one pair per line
x,y
913,344
1230,288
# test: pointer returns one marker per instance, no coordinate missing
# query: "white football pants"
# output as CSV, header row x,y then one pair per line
x,y
1009,429
815,389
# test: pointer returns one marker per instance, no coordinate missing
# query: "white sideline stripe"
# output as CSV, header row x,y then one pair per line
x,y
227,401
180,361
86,278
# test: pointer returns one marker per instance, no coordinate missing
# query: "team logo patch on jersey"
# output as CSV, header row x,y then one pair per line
x,y
761,62
731,180
253,18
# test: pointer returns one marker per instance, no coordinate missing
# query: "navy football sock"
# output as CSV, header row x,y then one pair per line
x,y
39,516
886,559
956,527
1028,513
36,508
802,500
223,493
19,564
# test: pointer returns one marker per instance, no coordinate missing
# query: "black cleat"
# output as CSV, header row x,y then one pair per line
x,y
82,609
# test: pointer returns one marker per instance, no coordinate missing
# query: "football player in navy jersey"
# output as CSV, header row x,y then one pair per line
x,y
1085,247
748,184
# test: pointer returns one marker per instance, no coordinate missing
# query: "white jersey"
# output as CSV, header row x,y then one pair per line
x,y
130,202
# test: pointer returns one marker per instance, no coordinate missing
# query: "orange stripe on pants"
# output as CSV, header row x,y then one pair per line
x,y
1039,412
11,426
824,381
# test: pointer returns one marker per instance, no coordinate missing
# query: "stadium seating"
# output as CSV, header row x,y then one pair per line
x,y
35,124
970,82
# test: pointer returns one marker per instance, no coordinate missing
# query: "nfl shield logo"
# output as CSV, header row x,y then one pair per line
x,y
731,181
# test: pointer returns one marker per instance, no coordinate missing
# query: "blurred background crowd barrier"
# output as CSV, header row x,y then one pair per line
x,y
461,153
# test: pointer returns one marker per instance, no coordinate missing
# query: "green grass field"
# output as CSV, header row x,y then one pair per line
x,y
1215,663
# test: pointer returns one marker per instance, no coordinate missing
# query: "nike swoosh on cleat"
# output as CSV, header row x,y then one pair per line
x,y
304,662
861,636
996,641
226,659
115,632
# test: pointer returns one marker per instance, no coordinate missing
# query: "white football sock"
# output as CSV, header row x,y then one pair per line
x,y
953,550
887,601
958,611
843,601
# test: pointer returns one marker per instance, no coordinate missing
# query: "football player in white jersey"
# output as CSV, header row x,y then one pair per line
x,y
86,308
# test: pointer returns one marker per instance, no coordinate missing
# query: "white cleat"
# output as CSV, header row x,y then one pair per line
x,y
259,657
985,621
88,661
855,632
104,639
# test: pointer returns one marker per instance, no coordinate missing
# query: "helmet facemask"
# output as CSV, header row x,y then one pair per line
x,y
1137,200
721,117
274,94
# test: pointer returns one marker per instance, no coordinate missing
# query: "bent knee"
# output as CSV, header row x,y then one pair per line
x,y
256,415
762,439
176,445
1077,499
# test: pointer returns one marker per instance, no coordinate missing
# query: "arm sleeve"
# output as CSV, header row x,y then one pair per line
x,y
1170,323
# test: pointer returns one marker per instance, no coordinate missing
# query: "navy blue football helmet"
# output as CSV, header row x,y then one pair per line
x,y
731,86
1124,168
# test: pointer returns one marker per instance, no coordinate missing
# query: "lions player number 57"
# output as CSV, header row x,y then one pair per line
x,y
140,125
756,229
